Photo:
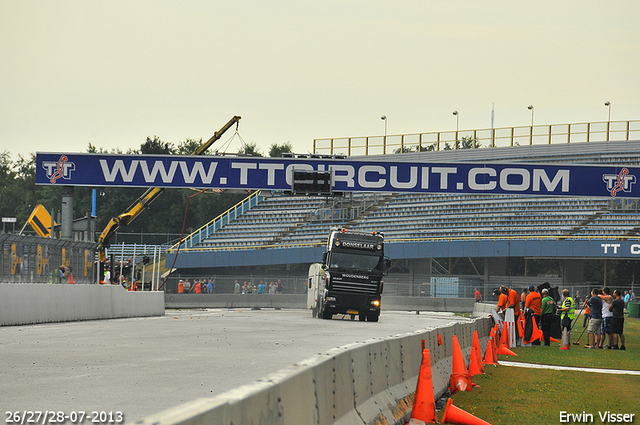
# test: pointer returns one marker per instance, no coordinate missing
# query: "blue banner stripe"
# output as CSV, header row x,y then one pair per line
x,y
349,175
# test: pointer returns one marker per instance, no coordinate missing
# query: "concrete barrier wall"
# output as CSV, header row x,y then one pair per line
x,y
455,305
22,304
361,383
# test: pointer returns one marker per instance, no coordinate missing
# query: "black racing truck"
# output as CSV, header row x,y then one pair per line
x,y
349,280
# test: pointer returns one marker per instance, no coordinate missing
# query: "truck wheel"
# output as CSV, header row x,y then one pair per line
x,y
361,317
326,315
373,318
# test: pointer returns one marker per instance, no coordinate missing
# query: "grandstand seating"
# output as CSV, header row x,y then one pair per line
x,y
283,221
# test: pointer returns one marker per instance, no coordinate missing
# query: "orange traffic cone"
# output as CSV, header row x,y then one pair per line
x,y
553,339
564,345
455,415
488,355
460,379
476,342
504,338
474,367
521,327
536,334
505,351
424,403
494,343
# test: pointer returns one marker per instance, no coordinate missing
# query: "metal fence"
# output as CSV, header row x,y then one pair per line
x,y
32,259
492,137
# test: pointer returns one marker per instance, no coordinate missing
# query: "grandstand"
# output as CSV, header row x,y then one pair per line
x,y
281,230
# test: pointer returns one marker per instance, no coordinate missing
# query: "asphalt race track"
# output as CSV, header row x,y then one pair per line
x,y
147,365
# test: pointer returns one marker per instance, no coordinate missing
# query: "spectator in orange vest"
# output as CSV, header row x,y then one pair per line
x,y
502,300
180,287
198,288
478,296
533,302
513,302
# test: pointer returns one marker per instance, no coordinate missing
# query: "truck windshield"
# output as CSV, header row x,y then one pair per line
x,y
347,261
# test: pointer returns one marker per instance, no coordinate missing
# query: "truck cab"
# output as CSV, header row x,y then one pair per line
x,y
349,279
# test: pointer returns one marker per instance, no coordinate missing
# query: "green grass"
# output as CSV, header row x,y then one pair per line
x,y
578,356
511,396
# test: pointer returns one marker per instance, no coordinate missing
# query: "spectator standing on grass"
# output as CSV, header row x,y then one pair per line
x,y
607,314
568,312
523,298
548,310
626,299
632,295
478,296
534,302
617,321
577,299
587,312
595,322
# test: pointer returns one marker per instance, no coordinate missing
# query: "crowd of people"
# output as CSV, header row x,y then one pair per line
x,y
198,286
603,314
604,318
260,288
207,286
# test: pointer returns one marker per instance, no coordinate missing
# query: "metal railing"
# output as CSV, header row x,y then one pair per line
x,y
492,137
424,239
220,221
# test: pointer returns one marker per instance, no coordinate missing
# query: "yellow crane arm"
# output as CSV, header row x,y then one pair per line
x,y
147,197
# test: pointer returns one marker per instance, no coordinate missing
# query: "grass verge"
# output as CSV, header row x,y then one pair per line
x,y
513,396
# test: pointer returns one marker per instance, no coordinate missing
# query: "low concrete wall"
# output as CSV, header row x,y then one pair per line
x,y
22,304
455,305
361,383
483,309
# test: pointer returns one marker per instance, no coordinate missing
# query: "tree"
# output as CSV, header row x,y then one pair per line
x,y
157,147
404,149
250,149
276,151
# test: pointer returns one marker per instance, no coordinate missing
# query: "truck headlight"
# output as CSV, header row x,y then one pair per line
x,y
376,303
331,298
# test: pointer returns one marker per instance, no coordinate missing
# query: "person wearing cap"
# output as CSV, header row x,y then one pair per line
x,y
533,302
502,299
568,310
180,287
548,307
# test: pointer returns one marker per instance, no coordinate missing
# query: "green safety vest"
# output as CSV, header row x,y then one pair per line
x,y
572,311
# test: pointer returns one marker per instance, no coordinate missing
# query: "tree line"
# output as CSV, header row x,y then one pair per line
x,y
19,194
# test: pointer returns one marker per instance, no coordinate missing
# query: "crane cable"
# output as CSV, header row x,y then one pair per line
x,y
226,144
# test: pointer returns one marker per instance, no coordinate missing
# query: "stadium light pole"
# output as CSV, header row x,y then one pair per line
x,y
457,126
384,141
608,105
531,108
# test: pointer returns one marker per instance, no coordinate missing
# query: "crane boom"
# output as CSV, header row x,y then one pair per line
x,y
148,197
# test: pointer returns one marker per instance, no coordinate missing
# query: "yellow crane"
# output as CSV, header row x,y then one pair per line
x,y
148,197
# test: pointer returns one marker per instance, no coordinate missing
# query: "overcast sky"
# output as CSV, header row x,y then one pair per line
x,y
111,73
